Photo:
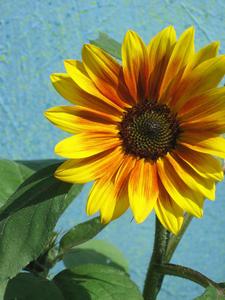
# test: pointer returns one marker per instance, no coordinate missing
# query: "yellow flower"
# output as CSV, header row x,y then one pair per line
x,y
146,132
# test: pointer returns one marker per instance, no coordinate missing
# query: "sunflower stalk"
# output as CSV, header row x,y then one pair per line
x,y
154,279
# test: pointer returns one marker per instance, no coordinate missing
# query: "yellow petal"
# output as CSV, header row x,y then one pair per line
x,y
159,52
75,119
124,170
68,89
181,55
103,198
91,168
142,189
134,55
100,64
101,192
86,144
204,104
105,73
194,181
179,192
168,212
214,123
115,205
205,165
77,72
205,143
205,112
202,55
204,77
206,53
65,86
122,203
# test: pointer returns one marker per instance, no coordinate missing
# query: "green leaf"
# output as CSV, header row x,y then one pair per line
x,y
211,293
108,44
2,289
36,188
96,252
13,174
81,233
29,218
96,282
27,286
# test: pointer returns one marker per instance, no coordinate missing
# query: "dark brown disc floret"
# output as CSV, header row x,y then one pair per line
x,y
149,130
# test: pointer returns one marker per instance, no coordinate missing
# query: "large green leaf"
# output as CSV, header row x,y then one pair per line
x,y
13,174
2,289
96,282
211,293
81,233
108,44
96,252
27,286
29,218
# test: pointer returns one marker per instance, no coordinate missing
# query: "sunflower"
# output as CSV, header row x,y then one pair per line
x,y
147,131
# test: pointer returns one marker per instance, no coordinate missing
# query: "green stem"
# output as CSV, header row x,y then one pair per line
x,y
184,272
175,239
154,279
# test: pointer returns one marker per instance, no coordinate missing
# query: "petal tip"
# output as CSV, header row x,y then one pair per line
x,y
104,220
139,218
47,113
170,28
57,174
216,44
88,210
68,63
53,77
200,214
190,31
58,149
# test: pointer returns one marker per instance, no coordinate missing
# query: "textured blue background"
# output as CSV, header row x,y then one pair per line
x,y
35,37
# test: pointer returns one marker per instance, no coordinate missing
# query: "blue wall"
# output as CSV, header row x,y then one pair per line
x,y
35,37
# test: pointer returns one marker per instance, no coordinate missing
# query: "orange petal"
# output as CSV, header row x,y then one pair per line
x,y
205,53
68,89
214,123
142,189
91,168
75,119
86,144
202,55
103,198
64,86
124,170
186,198
168,212
159,52
204,77
193,180
205,165
204,104
101,192
115,205
205,143
180,57
135,68
77,72
105,73
205,112
122,203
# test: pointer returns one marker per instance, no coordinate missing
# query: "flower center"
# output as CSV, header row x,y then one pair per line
x,y
149,130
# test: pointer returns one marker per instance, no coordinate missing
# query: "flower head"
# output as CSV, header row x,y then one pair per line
x,y
148,131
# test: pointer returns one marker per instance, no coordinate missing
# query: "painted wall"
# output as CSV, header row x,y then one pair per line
x,y
35,37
